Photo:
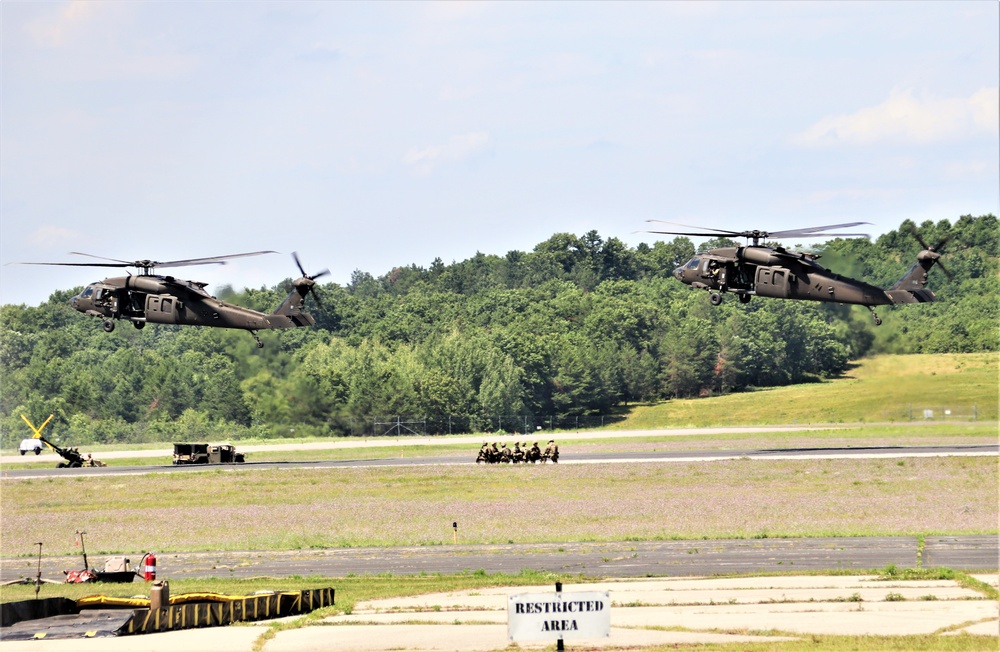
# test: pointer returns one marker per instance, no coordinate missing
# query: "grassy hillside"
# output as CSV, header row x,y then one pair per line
x,y
880,389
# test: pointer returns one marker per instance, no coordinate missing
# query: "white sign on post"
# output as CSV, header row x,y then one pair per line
x,y
551,616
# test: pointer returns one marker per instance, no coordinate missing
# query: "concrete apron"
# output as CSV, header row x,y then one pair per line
x,y
682,611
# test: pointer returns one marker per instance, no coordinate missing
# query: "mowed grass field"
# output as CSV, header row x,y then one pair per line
x,y
245,509
887,388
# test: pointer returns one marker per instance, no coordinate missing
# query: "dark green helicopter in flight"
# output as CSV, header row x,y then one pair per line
x,y
760,270
152,298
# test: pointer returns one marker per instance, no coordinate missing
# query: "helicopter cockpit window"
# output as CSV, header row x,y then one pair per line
x,y
693,263
86,293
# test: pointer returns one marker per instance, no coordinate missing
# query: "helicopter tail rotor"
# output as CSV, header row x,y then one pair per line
x,y
912,288
308,282
932,253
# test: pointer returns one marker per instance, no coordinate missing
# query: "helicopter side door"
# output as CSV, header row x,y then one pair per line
x,y
774,282
163,309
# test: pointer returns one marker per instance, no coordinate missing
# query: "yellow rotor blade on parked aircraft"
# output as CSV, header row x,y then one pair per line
x,y
39,429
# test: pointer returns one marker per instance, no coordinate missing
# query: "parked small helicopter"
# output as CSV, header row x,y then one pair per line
x,y
151,298
779,273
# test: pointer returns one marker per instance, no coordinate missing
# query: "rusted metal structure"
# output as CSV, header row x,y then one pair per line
x,y
101,616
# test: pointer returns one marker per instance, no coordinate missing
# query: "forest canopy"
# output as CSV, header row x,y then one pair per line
x,y
577,327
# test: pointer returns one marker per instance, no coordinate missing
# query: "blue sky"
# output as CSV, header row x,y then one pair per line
x,y
370,135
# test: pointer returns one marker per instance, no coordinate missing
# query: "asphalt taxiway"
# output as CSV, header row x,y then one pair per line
x,y
702,557
867,452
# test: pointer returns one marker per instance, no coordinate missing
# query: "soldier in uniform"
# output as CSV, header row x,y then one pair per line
x,y
505,454
535,453
495,454
551,452
518,453
484,453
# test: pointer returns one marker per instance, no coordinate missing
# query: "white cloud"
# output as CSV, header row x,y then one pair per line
x,y
58,28
458,148
908,119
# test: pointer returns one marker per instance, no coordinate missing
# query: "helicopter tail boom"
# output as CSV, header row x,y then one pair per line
x,y
291,309
912,287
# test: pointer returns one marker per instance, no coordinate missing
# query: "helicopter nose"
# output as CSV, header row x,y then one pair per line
x,y
679,273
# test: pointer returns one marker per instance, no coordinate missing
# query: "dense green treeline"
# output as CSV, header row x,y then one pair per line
x,y
578,326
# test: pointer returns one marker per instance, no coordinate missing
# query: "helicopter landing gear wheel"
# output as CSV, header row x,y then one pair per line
x,y
260,345
715,298
744,298
878,320
108,325
139,324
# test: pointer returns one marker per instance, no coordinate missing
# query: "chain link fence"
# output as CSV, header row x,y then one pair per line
x,y
932,413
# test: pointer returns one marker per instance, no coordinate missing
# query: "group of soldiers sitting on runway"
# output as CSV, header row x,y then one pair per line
x,y
491,454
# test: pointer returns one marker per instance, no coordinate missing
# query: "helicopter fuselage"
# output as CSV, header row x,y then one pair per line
x,y
166,300
777,273
151,298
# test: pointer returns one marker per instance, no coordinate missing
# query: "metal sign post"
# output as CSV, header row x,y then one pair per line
x,y
38,578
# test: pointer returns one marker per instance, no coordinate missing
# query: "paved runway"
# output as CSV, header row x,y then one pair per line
x,y
570,458
616,559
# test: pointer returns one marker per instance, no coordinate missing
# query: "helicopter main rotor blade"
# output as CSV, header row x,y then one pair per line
x,y
696,235
793,234
689,226
77,264
812,229
815,231
212,260
114,260
805,232
147,265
